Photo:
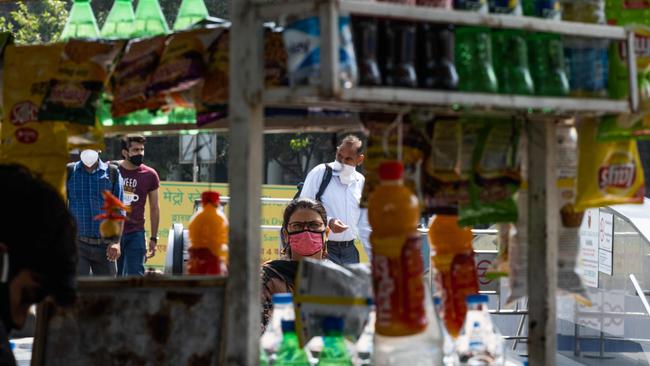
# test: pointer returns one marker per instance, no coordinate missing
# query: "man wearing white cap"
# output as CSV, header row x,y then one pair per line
x,y
87,179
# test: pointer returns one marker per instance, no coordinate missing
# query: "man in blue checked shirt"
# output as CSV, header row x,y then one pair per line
x,y
87,179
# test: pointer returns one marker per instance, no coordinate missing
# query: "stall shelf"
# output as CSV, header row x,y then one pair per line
x,y
248,99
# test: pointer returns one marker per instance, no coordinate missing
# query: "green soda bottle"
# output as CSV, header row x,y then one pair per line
x,y
290,353
149,19
335,352
81,23
120,21
511,62
190,13
546,54
474,60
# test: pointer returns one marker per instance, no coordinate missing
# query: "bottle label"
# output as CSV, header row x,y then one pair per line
x,y
399,288
455,279
505,7
471,5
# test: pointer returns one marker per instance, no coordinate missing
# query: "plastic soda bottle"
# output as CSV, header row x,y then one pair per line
x,y
479,342
397,267
511,62
81,22
290,353
120,22
436,69
474,60
190,13
453,260
272,337
149,19
208,232
335,351
546,55
549,9
399,55
365,32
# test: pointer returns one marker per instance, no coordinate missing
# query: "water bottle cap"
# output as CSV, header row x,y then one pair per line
x,y
288,326
391,170
284,298
210,197
437,301
333,323
476,299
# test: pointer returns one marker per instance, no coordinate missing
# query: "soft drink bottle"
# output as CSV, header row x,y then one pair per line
x,y
474,60
448,349
190,13
399,53
511,62
548,9
120,22
436,69
480,6
335,351
290,353
546,56
208,232
453,260
365,33
479,342
149,19
272,337
512,7
81,22
397,267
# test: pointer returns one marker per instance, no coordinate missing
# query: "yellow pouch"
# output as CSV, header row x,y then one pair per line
x,y
609,173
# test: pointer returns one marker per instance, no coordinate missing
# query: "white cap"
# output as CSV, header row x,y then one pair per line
x,y
89,157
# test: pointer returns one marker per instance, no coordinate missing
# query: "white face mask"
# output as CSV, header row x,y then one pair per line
x,y
346,172
89,157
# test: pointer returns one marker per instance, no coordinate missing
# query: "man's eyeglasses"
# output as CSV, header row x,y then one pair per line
x,y
297,226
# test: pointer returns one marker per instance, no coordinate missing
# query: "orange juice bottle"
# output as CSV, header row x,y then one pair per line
x,y
208,231
397,267
453,259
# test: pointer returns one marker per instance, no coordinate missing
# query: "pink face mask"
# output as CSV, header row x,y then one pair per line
x,y
306,243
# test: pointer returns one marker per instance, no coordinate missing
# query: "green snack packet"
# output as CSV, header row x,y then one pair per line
x,y
496,176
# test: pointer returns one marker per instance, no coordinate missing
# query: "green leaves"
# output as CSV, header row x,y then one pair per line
x,y
36,21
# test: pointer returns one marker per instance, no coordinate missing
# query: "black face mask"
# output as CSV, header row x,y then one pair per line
x,y
136,159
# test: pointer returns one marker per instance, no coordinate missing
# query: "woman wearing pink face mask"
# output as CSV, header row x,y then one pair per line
x,y
303,236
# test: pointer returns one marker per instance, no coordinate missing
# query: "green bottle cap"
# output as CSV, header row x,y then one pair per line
x,y
190,13
81,23
149,19
120,22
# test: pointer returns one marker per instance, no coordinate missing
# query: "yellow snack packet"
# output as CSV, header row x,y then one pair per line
x,y
41,147
609,173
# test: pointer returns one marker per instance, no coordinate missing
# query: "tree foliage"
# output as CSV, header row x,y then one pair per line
x,y
34,21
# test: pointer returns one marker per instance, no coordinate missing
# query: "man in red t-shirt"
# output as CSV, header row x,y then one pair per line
x,y
140,182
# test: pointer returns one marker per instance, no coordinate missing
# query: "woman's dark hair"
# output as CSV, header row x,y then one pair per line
x,y
293,206
39,231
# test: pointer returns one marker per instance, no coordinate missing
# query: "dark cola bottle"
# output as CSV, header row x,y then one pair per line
x,y
399,41
365,33
436,69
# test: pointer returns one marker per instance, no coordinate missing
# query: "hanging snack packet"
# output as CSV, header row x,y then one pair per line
x,y
182,66
500,267
385,131
73,92
447,170
496,175
609,173
569,220
133,73
6,38
325,289
40,146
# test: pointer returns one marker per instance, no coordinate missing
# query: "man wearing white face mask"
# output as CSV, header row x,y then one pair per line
x,y
341,199
87,179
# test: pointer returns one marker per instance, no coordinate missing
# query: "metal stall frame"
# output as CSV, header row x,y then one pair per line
x,y
248,98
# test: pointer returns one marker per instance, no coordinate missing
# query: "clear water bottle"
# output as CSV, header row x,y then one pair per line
x,y
479,343
272,337
335,351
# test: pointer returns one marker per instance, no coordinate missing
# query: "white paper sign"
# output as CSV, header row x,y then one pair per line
x,y
589,247
605,231
613,308
605,261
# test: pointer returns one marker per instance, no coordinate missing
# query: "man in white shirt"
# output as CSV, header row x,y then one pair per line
x,y
341,198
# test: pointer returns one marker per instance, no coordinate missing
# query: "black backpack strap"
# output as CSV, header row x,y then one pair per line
x,y
327,177
70,167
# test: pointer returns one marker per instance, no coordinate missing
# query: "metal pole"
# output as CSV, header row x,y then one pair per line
x,y
542,244
245,180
